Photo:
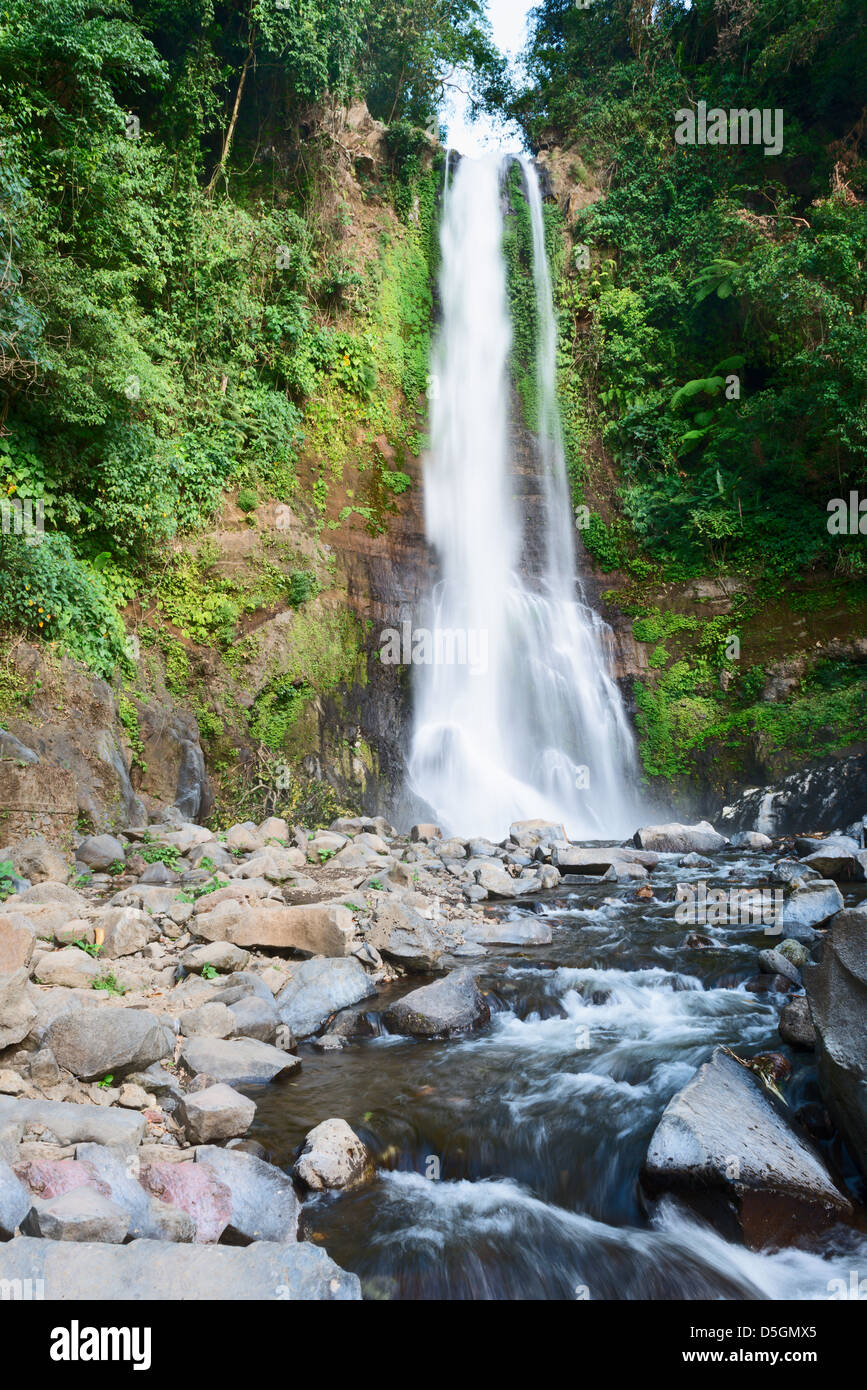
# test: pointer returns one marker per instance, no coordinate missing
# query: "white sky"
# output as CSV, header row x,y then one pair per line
x,y
509,23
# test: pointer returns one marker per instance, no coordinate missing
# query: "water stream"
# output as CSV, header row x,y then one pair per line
x,y
508,1161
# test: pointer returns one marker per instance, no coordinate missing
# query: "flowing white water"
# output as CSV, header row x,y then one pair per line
x,y
530,723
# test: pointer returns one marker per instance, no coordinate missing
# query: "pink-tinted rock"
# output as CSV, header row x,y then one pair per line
x,y
47,1178
193,1188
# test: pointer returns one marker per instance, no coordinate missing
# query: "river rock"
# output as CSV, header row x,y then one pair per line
x,y
320,929
796,1023
264,1204
425,832
17,939
498,884
674,838
15,1201
400,933
725,1145
809,905
444,1009
151,1269
93,1042
318,989
773,962
117,1176
83,1214
794,951
193,1188
224,956
333,1157
274,864
35,859
100,851
840,859
256,1017
241,1062
518,931
209,1020
243,839
218,1112
751,839
837,991
71,967
573,860
122,1130
17,1006
127,930
788,870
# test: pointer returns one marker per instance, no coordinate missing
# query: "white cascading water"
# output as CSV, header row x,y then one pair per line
x,y
530,724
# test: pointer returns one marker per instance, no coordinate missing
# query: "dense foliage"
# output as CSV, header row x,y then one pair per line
x,y
713,262
168,289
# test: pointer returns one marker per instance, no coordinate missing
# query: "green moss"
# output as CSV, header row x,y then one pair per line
x,y
128,715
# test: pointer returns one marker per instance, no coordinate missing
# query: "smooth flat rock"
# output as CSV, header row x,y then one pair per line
x,y
674,838
122,1130
320,929
238,1062
523,931
318,989
724,1142
150,1269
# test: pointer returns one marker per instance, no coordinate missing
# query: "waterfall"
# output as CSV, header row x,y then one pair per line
x,y
515,714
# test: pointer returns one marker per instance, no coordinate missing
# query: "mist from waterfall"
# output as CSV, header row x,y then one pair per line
x,y
515,714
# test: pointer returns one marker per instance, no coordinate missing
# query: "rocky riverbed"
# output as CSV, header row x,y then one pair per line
x,y
465,1069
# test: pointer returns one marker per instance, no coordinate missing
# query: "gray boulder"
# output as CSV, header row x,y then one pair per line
x,y
93,1042
264,1204
319,988
400,933
83,1214
441,1010
773,962
727,1146
240,1062
518,931
17,1006
333,1157
118,1175
217,1112
796,1023
100,851
837,991
807,906
674,838
256,1017
150,1269
15,1202
751,839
